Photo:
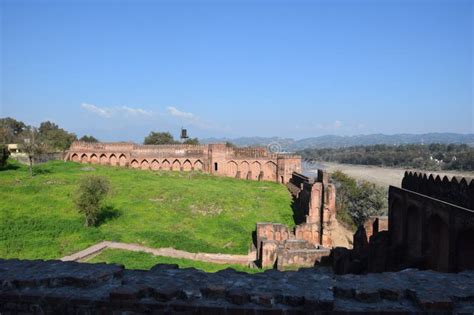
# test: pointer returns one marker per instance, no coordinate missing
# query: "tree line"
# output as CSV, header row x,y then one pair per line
x,y
49,138
428,157
35,141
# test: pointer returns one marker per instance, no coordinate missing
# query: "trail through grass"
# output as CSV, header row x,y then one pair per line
x,y
138,260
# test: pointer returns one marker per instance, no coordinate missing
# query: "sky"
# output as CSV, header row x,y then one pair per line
x,y
120,69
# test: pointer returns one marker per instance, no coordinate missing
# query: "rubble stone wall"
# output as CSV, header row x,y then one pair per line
x,y
55,287
314,201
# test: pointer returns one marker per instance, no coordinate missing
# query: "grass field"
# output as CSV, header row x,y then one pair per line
x,y
188,211
138,260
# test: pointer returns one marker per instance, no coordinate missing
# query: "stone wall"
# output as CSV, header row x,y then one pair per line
x,y
55,287
455,190
219,159
423,232
314,202
431,233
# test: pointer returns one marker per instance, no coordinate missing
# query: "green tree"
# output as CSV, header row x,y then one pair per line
x,y
368,200
4,154
357,201
159,138
191,141
56,138
90,194
87,138
10,129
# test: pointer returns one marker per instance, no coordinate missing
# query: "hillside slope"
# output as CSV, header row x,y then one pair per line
x,y
189,211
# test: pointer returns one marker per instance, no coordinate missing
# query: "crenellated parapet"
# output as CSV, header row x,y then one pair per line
x,y
455,190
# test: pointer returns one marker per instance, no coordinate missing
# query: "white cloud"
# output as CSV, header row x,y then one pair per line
x,y
136,111
173,111
108,112
104,112
337,124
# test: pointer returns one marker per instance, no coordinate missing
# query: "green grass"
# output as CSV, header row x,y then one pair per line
x,y
193,212
138,260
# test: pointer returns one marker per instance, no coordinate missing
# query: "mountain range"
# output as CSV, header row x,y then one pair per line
x,y
334,141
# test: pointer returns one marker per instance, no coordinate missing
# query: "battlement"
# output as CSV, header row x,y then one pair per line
x,y
455,190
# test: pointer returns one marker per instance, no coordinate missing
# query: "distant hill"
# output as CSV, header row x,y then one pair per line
x,y
333,141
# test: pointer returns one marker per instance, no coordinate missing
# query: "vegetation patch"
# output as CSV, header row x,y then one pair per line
x,y
198,213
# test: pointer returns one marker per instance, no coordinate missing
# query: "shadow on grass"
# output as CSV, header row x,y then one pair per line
x,y
41,171
9,167
107,214
299,215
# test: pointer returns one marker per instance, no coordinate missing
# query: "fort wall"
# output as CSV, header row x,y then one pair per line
x,y
219,159
429,227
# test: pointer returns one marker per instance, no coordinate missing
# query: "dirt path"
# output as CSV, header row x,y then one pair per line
x,y
166,252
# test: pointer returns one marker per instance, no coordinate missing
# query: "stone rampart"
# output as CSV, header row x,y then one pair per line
x,y
423,231
219,159
55,287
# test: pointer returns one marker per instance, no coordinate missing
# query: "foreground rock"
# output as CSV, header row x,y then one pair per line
x,y
70,287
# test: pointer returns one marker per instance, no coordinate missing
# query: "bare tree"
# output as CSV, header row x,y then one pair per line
x,y
31,146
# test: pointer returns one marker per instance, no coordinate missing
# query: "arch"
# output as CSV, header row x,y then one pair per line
x,y
198,166
123,160
93,159
255,168
75,158
187,166
232,169
165,165
244,170
103,159
438,244
135,164
155,165
176,166
113,160
414,232
270,171
84,158
465,250
144,165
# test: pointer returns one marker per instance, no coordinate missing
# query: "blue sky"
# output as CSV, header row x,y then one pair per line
x,y
118,69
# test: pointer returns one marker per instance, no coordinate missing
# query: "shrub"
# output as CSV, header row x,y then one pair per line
x,y
357,201
91,192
